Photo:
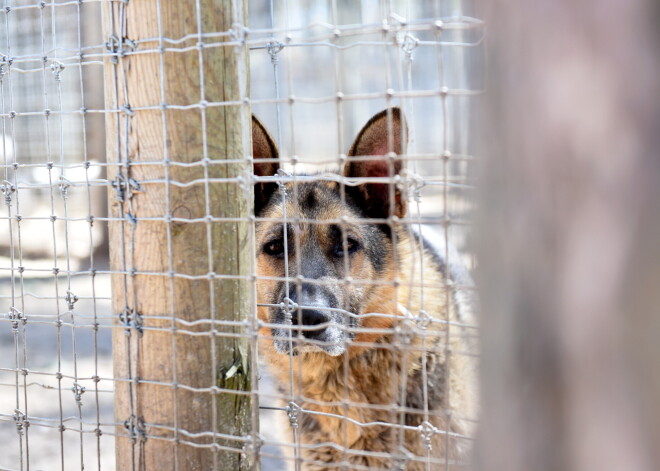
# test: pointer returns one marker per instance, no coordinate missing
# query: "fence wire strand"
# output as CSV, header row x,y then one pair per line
x,y
315,75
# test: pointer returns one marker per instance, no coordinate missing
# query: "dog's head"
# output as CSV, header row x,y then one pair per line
x,y
324,248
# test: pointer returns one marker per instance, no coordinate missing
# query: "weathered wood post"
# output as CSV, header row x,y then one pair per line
x,y
570,238
179,247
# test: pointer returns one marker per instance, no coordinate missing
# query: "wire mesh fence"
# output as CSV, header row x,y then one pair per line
x,y
332,250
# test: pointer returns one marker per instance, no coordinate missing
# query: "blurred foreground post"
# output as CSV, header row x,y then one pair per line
x,y
180,276
569,232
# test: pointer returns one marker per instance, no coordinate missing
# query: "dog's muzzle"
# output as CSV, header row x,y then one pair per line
x,y
310,322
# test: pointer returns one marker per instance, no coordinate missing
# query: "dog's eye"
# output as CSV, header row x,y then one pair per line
x,y
352,246
274,248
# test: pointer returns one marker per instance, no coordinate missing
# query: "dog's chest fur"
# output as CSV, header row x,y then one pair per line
x,y
388,383
372,393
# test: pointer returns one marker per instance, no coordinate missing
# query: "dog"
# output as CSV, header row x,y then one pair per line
x,y
381,372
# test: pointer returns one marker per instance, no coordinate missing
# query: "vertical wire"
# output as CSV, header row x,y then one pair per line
x,y
90,219
275,62
342,194
122,166
20,251
53,218
11,191
57,69
446,171
276,79
403,380
136,430
168,213
445,197
296,397
119,80
386,9
127,248
283,190
209,235
5,158
241,19
407,47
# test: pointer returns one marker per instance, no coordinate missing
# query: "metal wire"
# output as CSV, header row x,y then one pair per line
x,y
56,373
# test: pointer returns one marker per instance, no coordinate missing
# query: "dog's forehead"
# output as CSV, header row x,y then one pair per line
x,y
312,200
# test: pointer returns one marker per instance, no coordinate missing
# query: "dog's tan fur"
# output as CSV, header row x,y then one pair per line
x,y
356,393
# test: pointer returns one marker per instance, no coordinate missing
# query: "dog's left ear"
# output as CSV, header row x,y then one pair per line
x,y
384,133
263,147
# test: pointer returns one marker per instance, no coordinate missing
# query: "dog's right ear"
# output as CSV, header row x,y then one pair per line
x,y
384,133
263,147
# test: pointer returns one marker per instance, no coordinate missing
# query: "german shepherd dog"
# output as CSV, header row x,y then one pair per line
x,y
380,369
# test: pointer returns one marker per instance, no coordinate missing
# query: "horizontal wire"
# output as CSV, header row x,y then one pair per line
x,y
257,40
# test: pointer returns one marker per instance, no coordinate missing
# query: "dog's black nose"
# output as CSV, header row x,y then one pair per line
x,y
310,318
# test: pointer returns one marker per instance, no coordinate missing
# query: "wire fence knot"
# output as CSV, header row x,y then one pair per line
x,y
78,391
16,316
423,320
126,108
132,45
4,68
412,185
112,46
64,186
21,421
119,185
427,430
71,298
293,410
288,306
274,48
57,68
238,32
131,319
7,189
125,188
136,429
280,184
408,43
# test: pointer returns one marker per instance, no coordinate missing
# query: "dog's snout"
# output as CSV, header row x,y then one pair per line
x,y
312,315
310,318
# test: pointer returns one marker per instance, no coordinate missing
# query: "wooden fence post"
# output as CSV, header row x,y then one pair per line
x,y
569,259
178,274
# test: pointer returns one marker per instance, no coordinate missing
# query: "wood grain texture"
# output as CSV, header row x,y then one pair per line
x,y
166,352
